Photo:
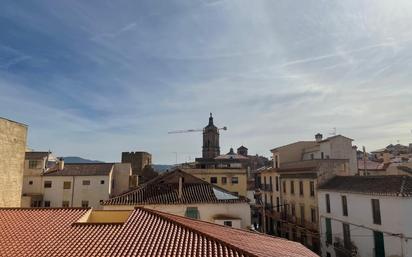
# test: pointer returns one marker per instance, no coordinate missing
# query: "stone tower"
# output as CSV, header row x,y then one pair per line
x,y
211,147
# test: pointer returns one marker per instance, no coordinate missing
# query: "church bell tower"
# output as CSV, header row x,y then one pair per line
x,y
211,147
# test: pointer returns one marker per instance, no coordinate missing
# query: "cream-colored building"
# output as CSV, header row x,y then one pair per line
x,y
35,165
288,201
13,136
232,179
78,185
180,193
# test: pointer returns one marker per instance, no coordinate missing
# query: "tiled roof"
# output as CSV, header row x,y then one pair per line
x,y
373,185
83,169
35,155
53,232
164,189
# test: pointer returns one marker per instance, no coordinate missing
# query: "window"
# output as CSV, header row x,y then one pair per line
x,y
47,184
313,215
85,204
266,200
328,231
213,180
322,155
277,183
31,182
270,183
235,180
285,207
271,201
32,164
346,236
67,185
277,204
101,182
328,254
35,203
344,206
379,244
376,212
293,211
312,156
312,188
302,214
46,203
65,204
227,223
292,187
327,203
192,212
276,161
301,188
86,182
284,186
224,180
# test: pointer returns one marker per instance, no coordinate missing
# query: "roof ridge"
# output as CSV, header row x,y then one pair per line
x,y
213,238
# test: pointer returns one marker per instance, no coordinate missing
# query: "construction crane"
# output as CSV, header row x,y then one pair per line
x,y
191,130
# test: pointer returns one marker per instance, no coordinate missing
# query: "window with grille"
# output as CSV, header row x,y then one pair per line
x,y
192,212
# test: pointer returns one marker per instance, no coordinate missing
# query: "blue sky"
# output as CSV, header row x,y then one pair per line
x,y
95,78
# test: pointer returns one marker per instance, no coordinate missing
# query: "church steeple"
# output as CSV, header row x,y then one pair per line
x,y
211,147
211,120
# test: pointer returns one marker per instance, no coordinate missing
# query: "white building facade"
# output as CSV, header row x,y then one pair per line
x,y
79,185
368,216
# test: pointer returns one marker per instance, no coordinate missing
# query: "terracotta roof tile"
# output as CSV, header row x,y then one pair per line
x,y
164,189
83,169
53,232
374,185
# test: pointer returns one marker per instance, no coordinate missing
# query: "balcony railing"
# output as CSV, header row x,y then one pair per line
x,y
267,187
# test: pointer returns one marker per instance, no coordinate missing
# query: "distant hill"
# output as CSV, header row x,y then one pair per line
x,y
75,159
161,167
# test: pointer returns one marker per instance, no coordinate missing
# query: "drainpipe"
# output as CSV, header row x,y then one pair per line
x,y
71,202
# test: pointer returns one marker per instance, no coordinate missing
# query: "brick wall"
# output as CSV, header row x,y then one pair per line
x,y
13,137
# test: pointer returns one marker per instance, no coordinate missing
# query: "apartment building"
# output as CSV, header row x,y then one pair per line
x,y
35,165
289,206
183,194
366,216
13,136
77,185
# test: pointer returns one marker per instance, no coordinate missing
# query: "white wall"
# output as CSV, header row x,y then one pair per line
x,y
206,211
396,213
92,193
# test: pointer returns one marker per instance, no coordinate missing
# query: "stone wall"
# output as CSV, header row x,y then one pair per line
x,y
13,137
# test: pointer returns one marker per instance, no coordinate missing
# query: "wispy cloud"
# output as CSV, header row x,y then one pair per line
x,y
96,78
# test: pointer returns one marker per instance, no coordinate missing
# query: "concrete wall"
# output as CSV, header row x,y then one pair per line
x,y
207,211
292,152
395,217
121,176
13,138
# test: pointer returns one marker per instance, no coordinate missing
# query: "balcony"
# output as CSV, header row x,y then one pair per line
x,y
267,187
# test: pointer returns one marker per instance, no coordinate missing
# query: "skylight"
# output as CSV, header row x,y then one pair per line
x,y
221,195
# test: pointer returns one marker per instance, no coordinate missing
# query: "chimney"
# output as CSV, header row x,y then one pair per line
x,y
318,137
61,163
180,187
386,157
